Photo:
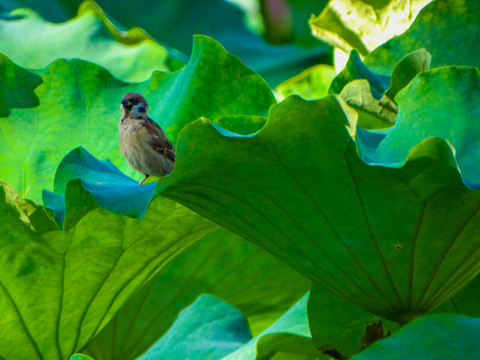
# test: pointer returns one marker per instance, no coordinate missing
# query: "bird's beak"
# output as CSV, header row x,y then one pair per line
x,y
124,102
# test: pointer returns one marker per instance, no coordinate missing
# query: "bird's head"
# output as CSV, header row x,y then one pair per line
x,y
134,106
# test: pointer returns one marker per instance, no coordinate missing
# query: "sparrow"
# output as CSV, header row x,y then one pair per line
x,y
142,141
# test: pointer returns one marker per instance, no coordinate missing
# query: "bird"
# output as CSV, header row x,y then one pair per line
x,y
143,143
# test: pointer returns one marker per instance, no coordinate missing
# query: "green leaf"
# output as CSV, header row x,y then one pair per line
x,y
301,10
299,189
222,264
466,302
174,22
287,20
364,25
57,292
341,329
372,113
208,329
288,335
432,30
17,88
355,69
79,106
311,84
441,103
411,65
442,337
34,43
81,357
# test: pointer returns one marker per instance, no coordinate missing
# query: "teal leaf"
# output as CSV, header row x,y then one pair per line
x,y
208,329
108,187
81,357
289,335
442,337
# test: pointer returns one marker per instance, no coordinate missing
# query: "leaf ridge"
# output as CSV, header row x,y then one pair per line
x,y
330,287
337,234
369,229
22,321
440,263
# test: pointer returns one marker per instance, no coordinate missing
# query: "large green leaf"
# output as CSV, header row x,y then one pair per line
x,y
32,42
433,337
342,329
57,292
432,30
222,264
299,189
364,25
79,106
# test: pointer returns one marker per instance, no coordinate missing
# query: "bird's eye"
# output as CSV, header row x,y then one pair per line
x,y
141,108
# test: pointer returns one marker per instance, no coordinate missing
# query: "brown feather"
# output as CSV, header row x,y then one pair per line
x,y
159,141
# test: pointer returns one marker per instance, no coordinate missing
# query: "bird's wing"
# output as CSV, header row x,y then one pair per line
x,y
159,140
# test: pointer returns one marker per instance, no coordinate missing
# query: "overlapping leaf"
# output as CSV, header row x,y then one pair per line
x,y
432,30
296,186
222,264
364,25
289,335
355,69
372,95
34,43
174,22
442,103
79,106
57,292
